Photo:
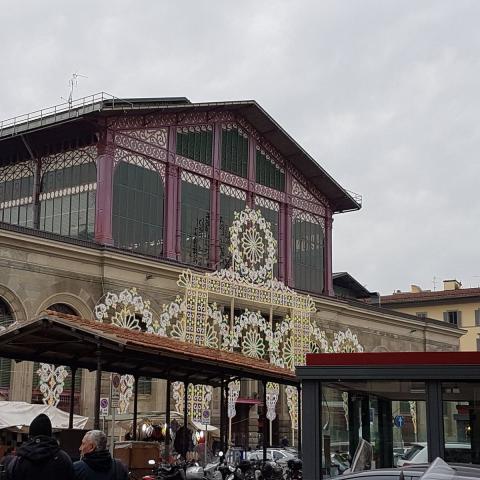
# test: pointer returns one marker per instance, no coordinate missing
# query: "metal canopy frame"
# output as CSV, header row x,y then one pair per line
x,y
75,342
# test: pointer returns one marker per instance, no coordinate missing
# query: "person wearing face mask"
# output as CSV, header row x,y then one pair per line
x,y
96,462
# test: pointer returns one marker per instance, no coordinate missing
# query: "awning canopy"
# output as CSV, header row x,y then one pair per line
x,y
19,415
72,341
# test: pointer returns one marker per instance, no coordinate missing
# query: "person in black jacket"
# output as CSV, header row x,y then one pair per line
x,y
40,458
96,462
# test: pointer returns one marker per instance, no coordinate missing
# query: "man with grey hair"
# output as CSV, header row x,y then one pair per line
x,y
96,463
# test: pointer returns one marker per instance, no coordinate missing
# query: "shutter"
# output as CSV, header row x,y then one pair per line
x,y
445,316
459,318
477,318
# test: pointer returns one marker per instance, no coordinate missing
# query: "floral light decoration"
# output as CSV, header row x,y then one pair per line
x,y
126,310
273,390
233,394
51,381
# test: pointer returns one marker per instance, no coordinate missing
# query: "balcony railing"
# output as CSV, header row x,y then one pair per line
x,y
61,112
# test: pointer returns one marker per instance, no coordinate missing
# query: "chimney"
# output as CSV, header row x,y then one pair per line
x,y
451,285
415,289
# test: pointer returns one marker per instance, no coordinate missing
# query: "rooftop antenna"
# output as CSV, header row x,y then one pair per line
x,y
73,82
434,281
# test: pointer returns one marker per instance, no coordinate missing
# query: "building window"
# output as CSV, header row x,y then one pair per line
x,y
6,319
453,317
477,317
195,143
422,315
138,196
63,308
268,173
195,221
307,254
270,211
67,195
231,200
16,194
234,151
144,386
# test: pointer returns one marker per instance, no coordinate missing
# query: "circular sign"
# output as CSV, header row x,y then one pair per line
x,y
116,380
104,403
399,421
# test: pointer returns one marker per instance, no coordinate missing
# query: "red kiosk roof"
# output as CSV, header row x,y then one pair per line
x,y
393,358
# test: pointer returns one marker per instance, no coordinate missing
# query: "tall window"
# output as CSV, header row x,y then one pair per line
x,y
454,317
195,143
234,151
270,211
231,200
138,195
307,255
67,198
195,233
16,194
6,318
268,173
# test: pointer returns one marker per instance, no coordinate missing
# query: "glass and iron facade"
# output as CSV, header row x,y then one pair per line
x,y
171,191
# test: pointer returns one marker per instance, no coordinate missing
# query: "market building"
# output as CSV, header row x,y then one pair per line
x,y
205,222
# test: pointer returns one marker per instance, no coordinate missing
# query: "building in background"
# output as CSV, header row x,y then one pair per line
x,y
107,194
454,305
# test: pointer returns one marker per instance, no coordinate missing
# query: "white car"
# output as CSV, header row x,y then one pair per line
x,y
418,453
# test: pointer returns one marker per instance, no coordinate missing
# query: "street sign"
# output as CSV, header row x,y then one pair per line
x,y
206,417
104,406
115,390
399,421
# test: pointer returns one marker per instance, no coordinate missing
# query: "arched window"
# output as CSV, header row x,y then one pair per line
x,y
138,193
6,318
37,396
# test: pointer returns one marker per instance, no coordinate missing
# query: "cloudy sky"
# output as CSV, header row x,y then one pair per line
x,y
384,94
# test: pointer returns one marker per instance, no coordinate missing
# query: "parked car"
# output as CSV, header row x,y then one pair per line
x,y
412,472
279,455
418,453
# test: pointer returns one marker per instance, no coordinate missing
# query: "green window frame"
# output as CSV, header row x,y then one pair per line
x,y
138,208
195,143
231,200
145,386
68,194
308,252
271,213
268,173
195,220
16,194
234,151
6,318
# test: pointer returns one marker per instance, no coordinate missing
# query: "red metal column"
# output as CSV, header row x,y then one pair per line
x,y
103,206
328,274
214,253
171,200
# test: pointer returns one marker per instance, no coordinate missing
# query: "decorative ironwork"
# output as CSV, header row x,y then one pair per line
x,y
267,203
233,394
196,179
126,156
51,382
273,391
269,192
233,192
137,142
233,179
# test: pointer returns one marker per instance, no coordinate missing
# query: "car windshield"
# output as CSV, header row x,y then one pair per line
x,y
412,452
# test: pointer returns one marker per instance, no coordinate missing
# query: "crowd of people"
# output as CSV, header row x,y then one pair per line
x,y
41,458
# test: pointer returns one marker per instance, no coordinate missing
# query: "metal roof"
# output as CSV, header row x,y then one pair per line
x,y
104,104
72,341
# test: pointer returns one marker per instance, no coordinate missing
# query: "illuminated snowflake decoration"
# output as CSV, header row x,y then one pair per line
x,y
413,414
126,392
233,394
126,310
346,342
253,247
199,399
51,382
292,404
273,390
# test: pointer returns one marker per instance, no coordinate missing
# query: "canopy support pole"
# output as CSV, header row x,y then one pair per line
x,y
98,384
135,406
185,418
73,371
167,419
222,415
264,421
299,420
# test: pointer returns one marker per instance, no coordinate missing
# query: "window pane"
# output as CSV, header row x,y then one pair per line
x,y
195,225
228,206
234,152
138,196
268,174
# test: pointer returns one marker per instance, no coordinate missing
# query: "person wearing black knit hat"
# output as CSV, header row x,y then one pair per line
x,y
41,457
